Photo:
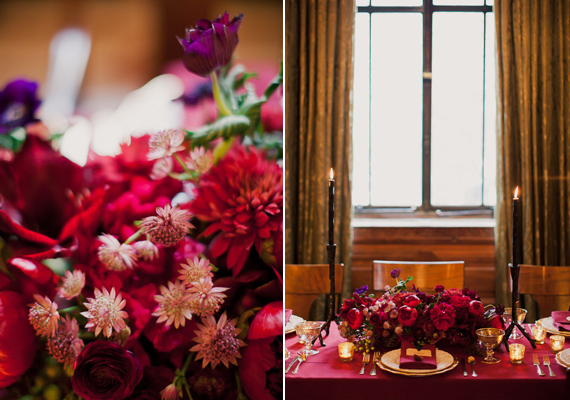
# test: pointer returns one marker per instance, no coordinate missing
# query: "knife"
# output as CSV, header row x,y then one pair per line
x,y
463,365
292,362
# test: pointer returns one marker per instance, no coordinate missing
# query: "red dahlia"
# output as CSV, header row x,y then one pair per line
x,y
242,198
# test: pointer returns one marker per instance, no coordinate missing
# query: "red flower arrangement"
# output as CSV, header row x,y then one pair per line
x,y
384,321
155,273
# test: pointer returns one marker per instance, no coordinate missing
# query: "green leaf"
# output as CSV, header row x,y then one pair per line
x,y
226,127
275,83
242,79
13,140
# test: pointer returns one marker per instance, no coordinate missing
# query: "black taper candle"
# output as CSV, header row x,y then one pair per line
x,y
331,208
515,242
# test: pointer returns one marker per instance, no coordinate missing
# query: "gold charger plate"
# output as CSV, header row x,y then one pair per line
x,y
390,362
548,324
293,320
563,358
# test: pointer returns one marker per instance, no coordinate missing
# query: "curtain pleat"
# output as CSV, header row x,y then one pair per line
x,y
318,102
533,132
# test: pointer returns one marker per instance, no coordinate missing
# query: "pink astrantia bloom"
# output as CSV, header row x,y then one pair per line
x,y
43,316
71,284
195,270
173,306
169,226
205,299
217,342
161,168
165,143
104,312
170,393
201,160
146,250
114,255
65,345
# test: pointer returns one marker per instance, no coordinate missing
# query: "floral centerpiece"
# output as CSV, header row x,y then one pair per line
x,y
153,274
451,315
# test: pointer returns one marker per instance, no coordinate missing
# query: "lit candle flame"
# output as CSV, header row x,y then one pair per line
x,y
332,174
516,193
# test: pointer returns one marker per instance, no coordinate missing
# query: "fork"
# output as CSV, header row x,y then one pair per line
x,y
375,359
536,362
365,360
546,361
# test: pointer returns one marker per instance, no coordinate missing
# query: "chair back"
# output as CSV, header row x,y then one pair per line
x,y
549,286
305,282
427,275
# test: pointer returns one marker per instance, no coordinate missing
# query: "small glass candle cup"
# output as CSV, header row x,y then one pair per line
x,y
516,353
556,343
539,334
346,351
300,335
287,354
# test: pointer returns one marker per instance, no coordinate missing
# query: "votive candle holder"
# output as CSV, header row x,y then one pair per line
x,y
346,351
556,343
516,353
539,334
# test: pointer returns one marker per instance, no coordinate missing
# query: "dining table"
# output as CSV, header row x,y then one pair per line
x,y
325,376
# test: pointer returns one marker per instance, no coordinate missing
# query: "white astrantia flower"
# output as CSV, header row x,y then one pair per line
x,y
173,306
146,250
114,255
105,312
43,316
65,344
194,270
217,342
201,160
205,299
169,226
71,284
165,143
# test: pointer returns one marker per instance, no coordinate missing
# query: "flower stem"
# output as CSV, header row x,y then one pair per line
x,y
177,158
187,362
134,236
241,394
216,91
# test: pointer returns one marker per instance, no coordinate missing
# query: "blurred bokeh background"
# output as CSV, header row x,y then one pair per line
x,y
127,43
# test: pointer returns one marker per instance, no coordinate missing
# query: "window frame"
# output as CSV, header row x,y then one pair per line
x,y
427,209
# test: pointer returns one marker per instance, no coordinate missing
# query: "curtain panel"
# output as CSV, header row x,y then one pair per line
x,y
318,104
533,133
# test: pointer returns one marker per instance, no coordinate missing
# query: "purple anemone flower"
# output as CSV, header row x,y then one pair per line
x,y
361,289
210,45
395,273
18,103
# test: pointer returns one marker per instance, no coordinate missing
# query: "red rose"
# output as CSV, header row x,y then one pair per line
x,y
476,308
346,307
412,301
374,319
355,318
17,338
443,316
459,301
104,370
407,316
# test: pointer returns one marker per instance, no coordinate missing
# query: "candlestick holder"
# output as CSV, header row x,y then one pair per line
x,y
515,272
331,250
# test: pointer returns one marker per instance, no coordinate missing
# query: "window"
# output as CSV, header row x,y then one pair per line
x,y
424,105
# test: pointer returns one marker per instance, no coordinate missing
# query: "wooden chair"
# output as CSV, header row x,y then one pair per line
x,y
549,286
305,282
427,275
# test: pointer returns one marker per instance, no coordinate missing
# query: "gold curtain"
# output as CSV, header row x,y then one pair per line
x,y
318,104
533,128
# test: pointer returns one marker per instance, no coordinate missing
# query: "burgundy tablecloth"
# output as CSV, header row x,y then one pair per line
x,y
324,376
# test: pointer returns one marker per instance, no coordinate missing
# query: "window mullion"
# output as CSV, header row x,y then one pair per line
x,y
426,118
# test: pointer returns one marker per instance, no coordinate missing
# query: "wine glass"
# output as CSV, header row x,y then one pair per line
x,y
490,337
508,316
310,330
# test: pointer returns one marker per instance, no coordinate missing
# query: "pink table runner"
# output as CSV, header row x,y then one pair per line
x,y
324,376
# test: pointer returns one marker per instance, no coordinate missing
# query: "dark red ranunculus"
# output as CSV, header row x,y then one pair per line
x,y
412,301
374,319
346,307
407,316
105,370
17,338
355,318
209,45
459,301
476,308
18,103
439,288
443,316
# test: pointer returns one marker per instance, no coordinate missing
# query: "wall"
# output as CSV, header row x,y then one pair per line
x,y
474,245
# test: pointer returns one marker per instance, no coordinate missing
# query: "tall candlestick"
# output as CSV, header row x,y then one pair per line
x,y
331,208
516,228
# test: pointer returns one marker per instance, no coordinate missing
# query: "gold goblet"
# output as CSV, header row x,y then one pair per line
x,y
490,338
310,330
